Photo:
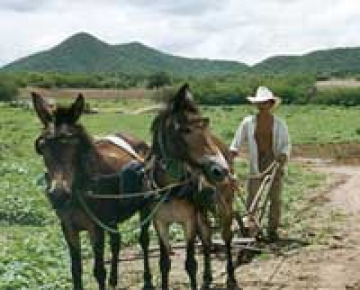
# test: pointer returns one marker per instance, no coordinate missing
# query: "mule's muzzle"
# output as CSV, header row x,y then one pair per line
x,y
215,172
59,198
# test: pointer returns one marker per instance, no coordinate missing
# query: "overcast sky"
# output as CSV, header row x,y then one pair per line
x,y
246,31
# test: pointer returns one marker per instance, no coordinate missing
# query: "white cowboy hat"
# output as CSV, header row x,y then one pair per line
x,y
263,94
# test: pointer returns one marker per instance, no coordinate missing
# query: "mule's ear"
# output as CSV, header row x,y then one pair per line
x,y
77,107
184,100
42,108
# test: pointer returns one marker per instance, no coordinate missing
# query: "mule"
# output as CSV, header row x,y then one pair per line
x,y
183,145
73,160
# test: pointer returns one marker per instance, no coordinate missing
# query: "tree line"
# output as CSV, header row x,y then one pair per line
x,y
221,90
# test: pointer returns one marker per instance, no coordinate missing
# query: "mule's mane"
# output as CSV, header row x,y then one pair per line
x,y
156,128
174,108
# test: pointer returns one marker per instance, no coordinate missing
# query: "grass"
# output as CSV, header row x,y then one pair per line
x,y
309,124
33,254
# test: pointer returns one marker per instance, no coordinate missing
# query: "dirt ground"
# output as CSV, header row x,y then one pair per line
x,y
332,264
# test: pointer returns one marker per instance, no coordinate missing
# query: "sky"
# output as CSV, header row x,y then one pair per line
x,y
246,31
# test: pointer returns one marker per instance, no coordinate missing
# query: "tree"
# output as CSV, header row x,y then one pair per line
x,y
8,90
159,79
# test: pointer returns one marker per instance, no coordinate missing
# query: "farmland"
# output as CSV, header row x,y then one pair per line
x,y
33,254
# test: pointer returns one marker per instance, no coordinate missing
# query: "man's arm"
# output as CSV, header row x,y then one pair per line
x,y
239,139
285,148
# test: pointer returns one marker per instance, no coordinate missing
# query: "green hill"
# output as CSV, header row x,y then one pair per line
x,y
83,53
343,60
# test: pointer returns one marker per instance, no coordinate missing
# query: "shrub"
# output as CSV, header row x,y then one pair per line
x,y
8,90
293,89
159,79
338,96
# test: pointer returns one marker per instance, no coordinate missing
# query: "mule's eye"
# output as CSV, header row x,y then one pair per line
x,y
185,130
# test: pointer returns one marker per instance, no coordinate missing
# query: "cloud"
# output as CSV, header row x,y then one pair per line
x,y
180,8
21,5
238,30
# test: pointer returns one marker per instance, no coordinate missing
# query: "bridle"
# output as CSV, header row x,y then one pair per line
x,y
162,155
78,186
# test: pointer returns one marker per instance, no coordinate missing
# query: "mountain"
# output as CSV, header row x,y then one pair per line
x,y
321,61
83,53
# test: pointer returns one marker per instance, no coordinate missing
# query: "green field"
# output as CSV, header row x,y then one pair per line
x,y
33,254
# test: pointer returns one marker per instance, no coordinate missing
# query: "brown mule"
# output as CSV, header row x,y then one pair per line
x,y
73,159
183,145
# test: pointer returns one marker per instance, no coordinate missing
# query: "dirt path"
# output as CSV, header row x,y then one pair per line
x,y
333,263
347,195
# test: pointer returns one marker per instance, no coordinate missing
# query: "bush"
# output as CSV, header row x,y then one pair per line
x,y
338,96
159,79
292,89
8,90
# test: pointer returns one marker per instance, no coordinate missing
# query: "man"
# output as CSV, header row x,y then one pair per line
x,y
268,140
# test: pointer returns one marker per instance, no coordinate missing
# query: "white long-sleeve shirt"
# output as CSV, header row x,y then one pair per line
x,y
246,134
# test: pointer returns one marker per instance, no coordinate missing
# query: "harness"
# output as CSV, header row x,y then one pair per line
x,y
174,169
159,194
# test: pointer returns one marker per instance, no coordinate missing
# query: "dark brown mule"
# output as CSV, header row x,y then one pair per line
x,y
73,159
183,145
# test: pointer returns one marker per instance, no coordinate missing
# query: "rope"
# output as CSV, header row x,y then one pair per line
x,y
90,194
265,172
105,227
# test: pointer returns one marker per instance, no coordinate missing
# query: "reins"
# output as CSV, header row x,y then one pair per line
x,y
105,227
148,193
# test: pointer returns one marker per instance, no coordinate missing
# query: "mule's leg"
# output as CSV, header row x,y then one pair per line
x,y
144,242
164,263
72,238
97,237
190,263
115,241
205,236
227,237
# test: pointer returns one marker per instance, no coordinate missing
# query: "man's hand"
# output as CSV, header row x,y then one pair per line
x,y
233,154
282,158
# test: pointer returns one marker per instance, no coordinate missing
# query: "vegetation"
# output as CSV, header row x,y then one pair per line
x,y
75,80
8,89
332,62
292,89
226,90
83,53
338,96
158,80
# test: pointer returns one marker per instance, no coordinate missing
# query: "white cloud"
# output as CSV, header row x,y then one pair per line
x,y
21,5
239,30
